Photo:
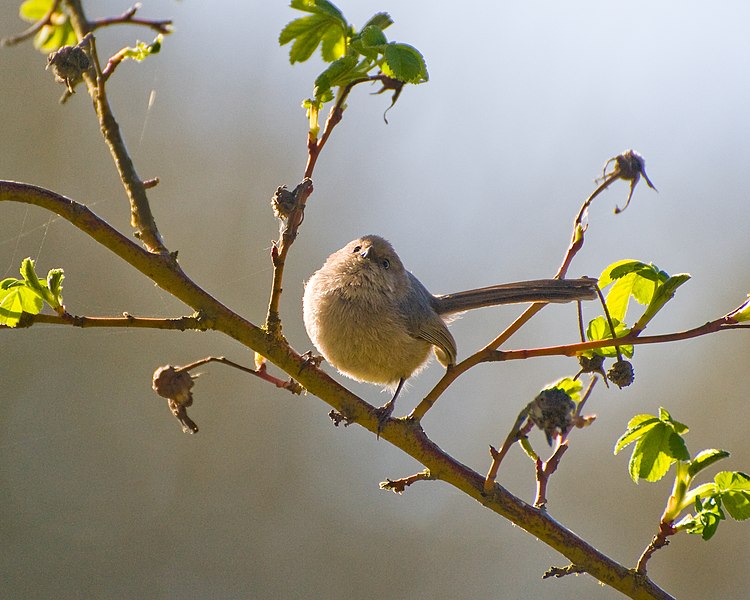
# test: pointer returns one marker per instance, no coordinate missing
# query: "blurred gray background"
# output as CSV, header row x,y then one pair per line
x,y
475,181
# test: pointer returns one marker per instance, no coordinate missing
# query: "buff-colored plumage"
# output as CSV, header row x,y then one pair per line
x,y
356,315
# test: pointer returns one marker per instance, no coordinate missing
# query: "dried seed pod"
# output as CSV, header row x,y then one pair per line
x,y
621,373
552,411
175,385
68,64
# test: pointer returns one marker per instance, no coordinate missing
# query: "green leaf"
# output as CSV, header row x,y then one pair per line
x,y
334,75
320,7
405,63
381,20
325,26
333,44
734,487
54,285
28,272
308,33
34,10
705,459
637,427
707,519
631,278
630,285
572,387
52,36
651,457
676,425
599,329
624,267
664,293
370,42
658,444
16,298
142,50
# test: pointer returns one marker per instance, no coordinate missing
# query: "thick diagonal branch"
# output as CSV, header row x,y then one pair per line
x,y
402,433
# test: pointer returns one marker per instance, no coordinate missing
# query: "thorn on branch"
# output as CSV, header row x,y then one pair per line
x,y
398,486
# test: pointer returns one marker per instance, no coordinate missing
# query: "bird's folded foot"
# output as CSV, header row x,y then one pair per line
x,y
384,413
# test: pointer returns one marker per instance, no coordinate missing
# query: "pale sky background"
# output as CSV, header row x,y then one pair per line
x,y
475,181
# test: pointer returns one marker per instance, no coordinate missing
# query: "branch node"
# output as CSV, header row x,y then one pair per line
x,y
398,486
563,571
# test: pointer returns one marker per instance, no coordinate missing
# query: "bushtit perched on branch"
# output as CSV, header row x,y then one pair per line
x,y
374,321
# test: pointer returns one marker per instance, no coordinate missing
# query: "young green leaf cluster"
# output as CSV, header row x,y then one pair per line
x,y
353,55
645,283
658,444
56,32
742,313
142,50
28,295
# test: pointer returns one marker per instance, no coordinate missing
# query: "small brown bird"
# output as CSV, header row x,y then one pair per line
x,y
374,321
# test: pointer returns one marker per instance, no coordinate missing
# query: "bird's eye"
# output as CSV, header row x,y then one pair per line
x,y
386,263
357,249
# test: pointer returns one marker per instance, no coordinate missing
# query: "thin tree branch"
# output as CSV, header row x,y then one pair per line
x,y
335,114
141,217
398,486
194,322
544,470
722,324
518,431
261,372
163,26
660,540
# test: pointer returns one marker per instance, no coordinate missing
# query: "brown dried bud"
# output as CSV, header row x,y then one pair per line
x,y
552,411
591,364
68,64
283,203
175,385
628,166
621,373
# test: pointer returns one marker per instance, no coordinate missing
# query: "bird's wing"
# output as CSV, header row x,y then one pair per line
x,y
436,333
